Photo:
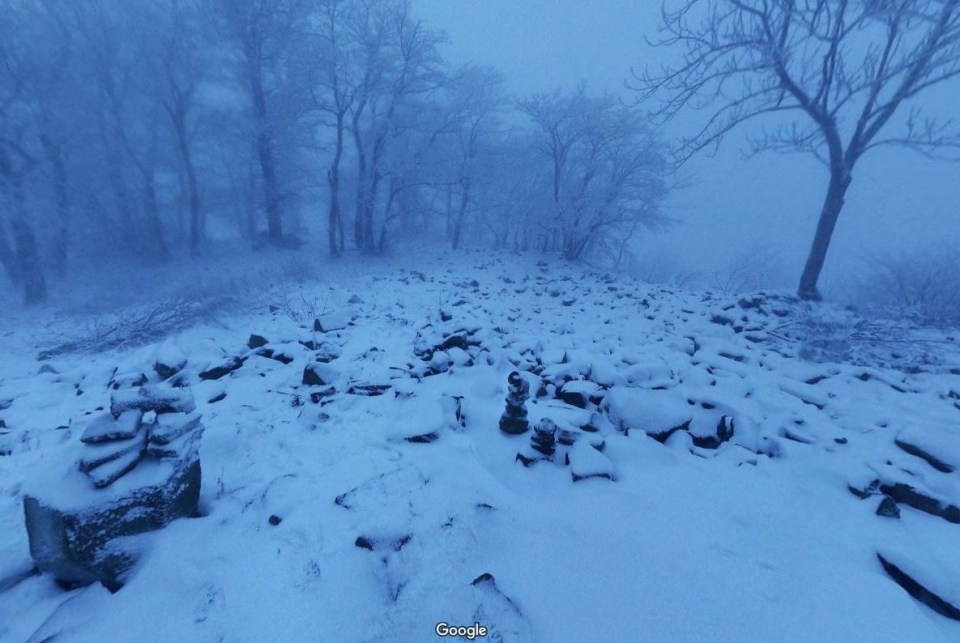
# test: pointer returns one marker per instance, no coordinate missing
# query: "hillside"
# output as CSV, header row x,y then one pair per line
x,y
719,465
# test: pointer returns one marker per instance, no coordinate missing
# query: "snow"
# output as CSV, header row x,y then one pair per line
x,y
756,540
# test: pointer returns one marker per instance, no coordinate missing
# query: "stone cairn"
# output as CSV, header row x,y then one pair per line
x,y
543,444
544,438
139,470
514,419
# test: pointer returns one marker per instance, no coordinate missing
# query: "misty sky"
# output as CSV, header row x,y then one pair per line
x,y
897,197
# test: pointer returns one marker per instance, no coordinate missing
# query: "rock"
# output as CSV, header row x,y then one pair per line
x,y
587,462
269,353
5,404
928,594
256,341
907,495
317,397
127,380
333,321
152,398
326,352
224,369
170,426
368,390
311,377
657,413
722,433
924,454
382,543
577,392
425,438
132,477
888,508
82,544
168,368
106,427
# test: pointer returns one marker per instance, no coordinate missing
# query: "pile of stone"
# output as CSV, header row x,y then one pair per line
x,y
139,469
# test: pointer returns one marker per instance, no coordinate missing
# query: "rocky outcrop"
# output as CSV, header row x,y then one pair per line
x,y
138,469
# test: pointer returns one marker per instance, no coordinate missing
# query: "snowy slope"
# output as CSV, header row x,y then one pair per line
x,y
390,500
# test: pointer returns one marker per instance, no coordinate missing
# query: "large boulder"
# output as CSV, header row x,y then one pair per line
x,y
136,472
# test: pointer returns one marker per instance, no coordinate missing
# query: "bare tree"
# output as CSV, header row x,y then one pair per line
x,y
477,99
399,64
262,32
605,166
335,89
182,65
850,70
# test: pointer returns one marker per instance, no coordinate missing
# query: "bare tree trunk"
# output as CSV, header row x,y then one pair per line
x,y
193,190
462,212
28,259
270,191
156,238
335,220
832,205
61,241
8,258
268,168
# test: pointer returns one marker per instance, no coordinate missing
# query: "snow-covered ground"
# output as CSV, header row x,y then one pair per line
x,y
389,500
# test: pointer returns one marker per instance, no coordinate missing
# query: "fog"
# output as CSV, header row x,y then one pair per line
x,y
899,201
141,132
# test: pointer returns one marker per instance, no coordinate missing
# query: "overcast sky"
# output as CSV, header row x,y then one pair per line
x,y
896,198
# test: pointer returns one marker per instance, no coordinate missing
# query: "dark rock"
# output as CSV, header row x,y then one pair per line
x,y
311,377
426,438
483,578
217,372
930,459
662,436
840,440
82,545
526,460
904,494
256,341
166,371
316,397
378,544
368,390
5,404
269,353
918,591
888,508
274,520
724,432
217,398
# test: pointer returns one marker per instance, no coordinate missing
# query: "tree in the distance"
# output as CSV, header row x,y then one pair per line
x,y
850,72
